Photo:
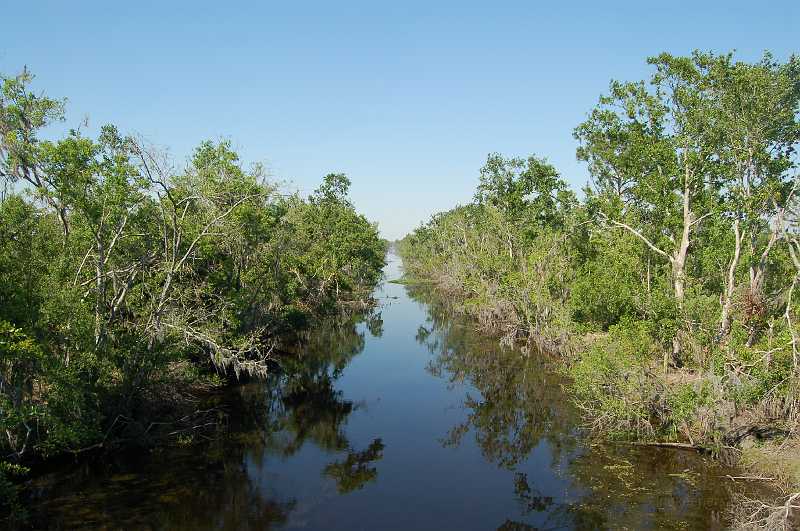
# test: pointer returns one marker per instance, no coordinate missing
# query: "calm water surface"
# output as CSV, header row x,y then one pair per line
x,y
405,419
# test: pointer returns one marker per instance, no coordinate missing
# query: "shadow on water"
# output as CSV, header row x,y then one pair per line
x,y
403,418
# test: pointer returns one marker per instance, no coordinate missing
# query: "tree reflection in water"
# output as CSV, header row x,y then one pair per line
x,y
302,405
185,488
518,414
521,403
213,485
353,473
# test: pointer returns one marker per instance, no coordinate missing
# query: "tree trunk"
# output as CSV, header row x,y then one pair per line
x,y
678,261
679,257
100,287
730,284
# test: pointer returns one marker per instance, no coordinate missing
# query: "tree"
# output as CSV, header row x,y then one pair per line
x,y
116,268
652,153
22,116
755,130
526,190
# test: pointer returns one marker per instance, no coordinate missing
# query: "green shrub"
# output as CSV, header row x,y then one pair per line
x,y
612,381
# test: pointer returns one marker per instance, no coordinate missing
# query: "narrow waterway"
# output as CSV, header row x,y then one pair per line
x,y
403,419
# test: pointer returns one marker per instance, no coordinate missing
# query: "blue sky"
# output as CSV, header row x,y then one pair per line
x,y
407,98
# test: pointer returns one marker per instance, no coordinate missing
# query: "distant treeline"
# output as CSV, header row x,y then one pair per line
x,y
123,277
670,283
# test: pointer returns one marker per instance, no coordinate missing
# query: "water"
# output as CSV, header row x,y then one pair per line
x,y
405,420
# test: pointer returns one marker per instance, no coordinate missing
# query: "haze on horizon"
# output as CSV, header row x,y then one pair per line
x,y
406,99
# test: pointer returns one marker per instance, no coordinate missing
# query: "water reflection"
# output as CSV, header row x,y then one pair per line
x,y
221,485
302,403
530,498
521,407
185,488
354,472
458,434
519,401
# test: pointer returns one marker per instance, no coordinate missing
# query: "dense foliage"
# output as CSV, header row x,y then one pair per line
x,y
671,285
116,269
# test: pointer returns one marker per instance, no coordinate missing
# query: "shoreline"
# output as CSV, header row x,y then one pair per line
x,y
760,453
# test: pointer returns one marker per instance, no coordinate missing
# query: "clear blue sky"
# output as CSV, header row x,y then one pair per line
x,y
407,97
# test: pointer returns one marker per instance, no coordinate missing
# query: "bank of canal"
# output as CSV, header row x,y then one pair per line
x,y
405,420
